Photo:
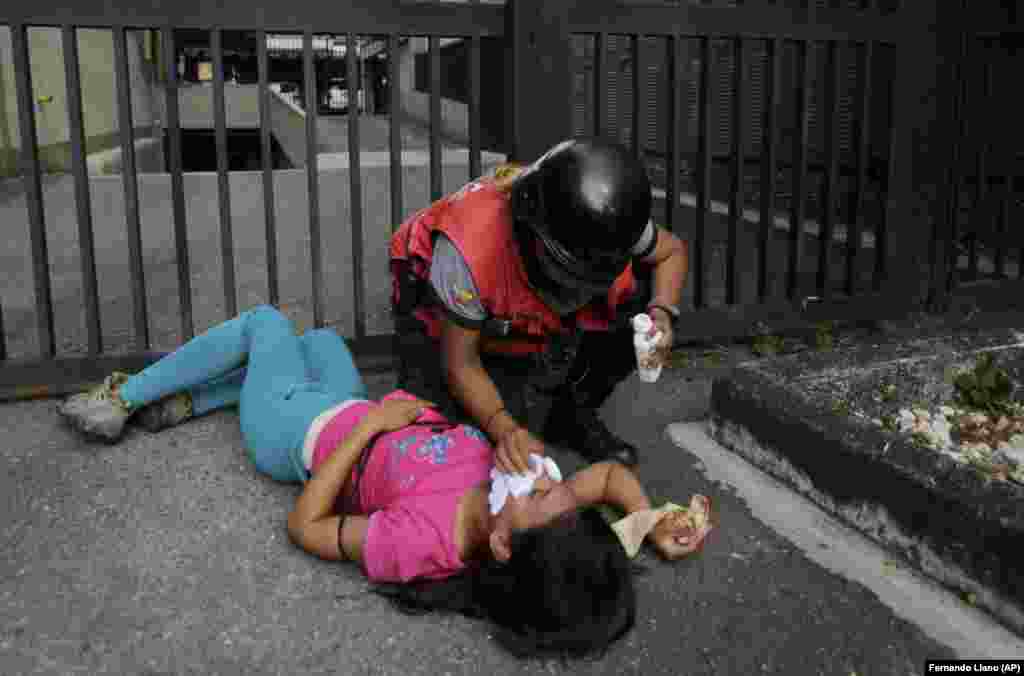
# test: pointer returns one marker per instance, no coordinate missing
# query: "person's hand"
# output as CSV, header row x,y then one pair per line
x,y
662,322
394,414
675,537
514,445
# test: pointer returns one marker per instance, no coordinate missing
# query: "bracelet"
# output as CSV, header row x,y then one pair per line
x,y
486,425
672,312
341,522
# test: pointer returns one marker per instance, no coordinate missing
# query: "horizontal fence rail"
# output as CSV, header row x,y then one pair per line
x,y
752,21
362,17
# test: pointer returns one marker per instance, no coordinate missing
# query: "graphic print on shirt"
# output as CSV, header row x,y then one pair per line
x,y
474,433
436,448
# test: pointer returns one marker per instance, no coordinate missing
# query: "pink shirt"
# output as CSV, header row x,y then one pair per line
x,y
411,487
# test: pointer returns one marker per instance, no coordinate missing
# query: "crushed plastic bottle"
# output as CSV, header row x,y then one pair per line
x,y
645,340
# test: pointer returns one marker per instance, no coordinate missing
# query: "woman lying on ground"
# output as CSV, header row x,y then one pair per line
x,y
395,487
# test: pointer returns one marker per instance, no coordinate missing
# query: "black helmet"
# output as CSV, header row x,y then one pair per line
x,y
579,211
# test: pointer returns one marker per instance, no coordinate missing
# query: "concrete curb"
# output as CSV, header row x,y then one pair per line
x,y
956,527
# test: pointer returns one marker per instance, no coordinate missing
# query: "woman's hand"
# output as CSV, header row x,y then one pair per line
x,y
394,414
514,444
662,322
675,537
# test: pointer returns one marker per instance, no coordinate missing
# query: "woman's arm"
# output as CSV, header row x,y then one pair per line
x,y
312,524
609,483
471,385
466,376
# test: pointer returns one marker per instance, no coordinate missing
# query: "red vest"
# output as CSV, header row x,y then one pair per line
x,y
477,219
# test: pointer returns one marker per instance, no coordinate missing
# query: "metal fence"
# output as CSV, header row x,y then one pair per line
x,y
813,210
741,188
50,372
984,242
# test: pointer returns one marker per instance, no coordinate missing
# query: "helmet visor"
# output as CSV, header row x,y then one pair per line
x,y
593,270
558,291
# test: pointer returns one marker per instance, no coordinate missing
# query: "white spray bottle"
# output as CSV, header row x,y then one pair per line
x,y
645,340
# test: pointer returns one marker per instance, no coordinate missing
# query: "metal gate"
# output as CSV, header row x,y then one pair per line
x,y
979,251
85,353
780,134
772,152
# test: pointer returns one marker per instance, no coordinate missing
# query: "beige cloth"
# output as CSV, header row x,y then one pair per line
x,y
634,528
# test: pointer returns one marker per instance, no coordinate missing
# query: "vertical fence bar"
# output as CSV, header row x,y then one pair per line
x,y
126,124
600,77
882,229
773,59
998,127
833,71
436,178
999,74
703,173
977,132
1011,181
673,168
1004,226
951,249
227,253
177,184
969,119
266,150
31,177
981,215
83,202
395,131
313,177
736,189
474,106
865,95
634,48
355,188
796,218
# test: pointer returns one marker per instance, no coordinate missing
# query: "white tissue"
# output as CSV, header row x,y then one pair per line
x,y
504,485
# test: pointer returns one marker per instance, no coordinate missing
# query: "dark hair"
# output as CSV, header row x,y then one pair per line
x,y
566,590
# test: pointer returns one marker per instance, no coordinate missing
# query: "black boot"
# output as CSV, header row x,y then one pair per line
x,y
575,424
601,361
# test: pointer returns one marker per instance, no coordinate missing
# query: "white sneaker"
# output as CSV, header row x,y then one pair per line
x,y
100,412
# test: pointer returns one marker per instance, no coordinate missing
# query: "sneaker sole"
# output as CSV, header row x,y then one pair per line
x,y
90,431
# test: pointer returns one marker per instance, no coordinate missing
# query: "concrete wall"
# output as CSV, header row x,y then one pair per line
x,y
241,106
288,123
454,115
416,105
99,95
149,158
156,216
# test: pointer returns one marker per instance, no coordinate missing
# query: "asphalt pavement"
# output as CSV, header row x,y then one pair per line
x,y
168,553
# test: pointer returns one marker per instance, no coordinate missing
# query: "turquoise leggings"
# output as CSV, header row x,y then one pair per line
x,y
280,381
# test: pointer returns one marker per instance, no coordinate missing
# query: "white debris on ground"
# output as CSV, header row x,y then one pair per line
x,y
991,443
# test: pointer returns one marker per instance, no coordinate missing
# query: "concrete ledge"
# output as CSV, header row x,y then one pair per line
x,y
960,529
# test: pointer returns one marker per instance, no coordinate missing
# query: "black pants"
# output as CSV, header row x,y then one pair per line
x,y
586,366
